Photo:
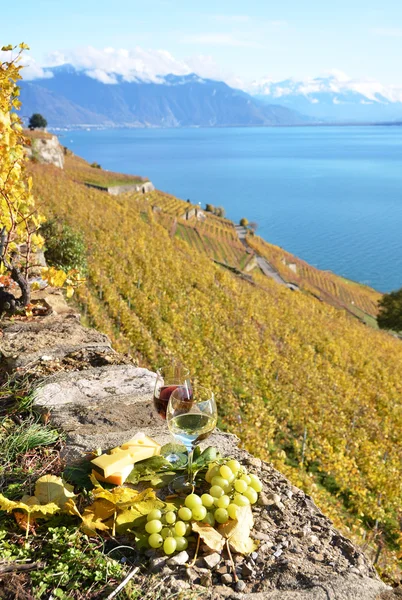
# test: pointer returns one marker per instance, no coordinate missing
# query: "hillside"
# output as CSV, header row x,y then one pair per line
x,y
302,383
72,98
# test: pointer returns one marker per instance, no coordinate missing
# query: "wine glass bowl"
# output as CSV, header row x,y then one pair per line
x,y
191,419
167,380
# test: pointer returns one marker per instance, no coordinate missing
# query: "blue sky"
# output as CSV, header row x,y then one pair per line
x,y
233,40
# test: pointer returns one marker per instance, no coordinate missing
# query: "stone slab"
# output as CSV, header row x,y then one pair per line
x,y
55,336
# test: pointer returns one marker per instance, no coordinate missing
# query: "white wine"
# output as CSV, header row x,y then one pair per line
x,y
191,428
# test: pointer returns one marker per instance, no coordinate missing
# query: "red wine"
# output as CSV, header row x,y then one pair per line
x,y
162,401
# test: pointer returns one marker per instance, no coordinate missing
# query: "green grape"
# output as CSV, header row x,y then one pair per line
x,y
223,483
232,511
231,477
185,514
154,514
209,519
223,502
221,515
166,532
189,529
207,500
153,526
192,501
155,540
225,472
255,483
233,465
212,471
251,494
170,517
241,500
169,545
240,485
216,491
246,478
199,513
180,528
181,543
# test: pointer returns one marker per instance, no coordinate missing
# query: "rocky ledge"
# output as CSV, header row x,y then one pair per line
x,y
98,399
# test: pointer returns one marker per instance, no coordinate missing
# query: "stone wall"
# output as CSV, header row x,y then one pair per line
x,y
98,398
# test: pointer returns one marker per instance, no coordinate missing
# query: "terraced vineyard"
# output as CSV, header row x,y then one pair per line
x,y
216,244
80,171
341,293
301,383
206,233
167,203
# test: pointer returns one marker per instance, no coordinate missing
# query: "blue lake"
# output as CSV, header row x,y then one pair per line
x,y
330,195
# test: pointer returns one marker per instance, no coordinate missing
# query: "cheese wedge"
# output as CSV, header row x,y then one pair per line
x,y
139,448
116,478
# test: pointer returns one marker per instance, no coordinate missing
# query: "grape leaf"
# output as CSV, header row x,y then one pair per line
x,y
149,467
53,489
237,532
209,535
78,474
118,509
173,449
95,515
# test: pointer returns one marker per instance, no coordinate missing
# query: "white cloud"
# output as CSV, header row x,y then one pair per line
x,y
105,64
334,81
108,64
31,68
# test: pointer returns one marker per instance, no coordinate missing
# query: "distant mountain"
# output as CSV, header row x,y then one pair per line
x,y
333,98
73,98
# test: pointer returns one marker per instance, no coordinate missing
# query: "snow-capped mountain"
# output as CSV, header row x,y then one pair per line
x,y
68,97
334,97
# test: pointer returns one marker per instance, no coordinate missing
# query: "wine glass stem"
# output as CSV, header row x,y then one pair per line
x,y
190,451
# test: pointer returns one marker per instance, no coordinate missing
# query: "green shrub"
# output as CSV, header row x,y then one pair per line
x,y
64,247
243,222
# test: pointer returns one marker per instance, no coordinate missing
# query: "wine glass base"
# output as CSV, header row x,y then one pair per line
x,y
173,458
181,485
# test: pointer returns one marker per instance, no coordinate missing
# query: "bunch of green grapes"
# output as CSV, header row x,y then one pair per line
x,y
231,487
167,531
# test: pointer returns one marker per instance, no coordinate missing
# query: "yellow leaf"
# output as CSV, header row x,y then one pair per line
x,y
95,515
28,506
50,488
69,291
209,535
238,532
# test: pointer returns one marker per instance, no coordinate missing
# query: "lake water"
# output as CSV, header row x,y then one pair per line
x,y
330,195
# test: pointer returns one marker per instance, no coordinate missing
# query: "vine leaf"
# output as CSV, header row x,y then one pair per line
x,y
50,488
237,532
209,535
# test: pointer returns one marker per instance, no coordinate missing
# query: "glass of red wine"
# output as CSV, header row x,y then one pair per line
x,y
168,379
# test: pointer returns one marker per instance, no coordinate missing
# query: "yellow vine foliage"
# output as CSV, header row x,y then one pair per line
x,y
19,221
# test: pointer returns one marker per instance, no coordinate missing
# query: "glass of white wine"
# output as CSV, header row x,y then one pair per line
x,y
190,420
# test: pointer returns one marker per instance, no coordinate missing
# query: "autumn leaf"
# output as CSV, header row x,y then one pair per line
x,y
237,532
50,488
94,516
118,509
209,535
28,503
